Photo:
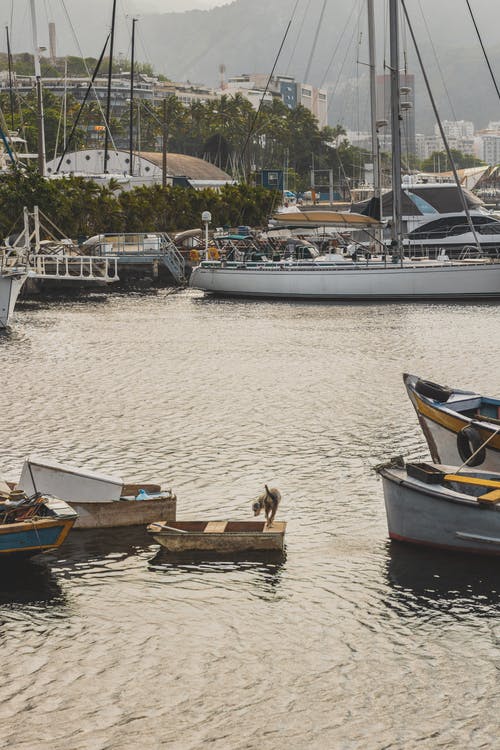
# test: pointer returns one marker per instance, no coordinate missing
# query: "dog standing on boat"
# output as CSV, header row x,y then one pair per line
x,y
269,501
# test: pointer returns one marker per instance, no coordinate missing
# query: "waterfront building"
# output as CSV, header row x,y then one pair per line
x,y
291,92
490,148
183,170
456,129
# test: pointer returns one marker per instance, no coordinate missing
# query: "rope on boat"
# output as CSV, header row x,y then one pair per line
x,y
478,449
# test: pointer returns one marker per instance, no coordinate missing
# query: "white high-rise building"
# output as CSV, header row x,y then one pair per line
x,y
491,148
456,129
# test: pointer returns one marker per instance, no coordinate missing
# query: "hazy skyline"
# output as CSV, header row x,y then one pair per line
x,y
175,6
185,40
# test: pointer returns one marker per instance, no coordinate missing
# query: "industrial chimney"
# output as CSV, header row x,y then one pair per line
x,y
52,41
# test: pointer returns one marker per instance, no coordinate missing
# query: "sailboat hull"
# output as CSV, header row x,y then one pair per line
x,y
10,286
407,282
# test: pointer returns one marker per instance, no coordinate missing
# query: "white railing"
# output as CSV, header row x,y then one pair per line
x,y
73,267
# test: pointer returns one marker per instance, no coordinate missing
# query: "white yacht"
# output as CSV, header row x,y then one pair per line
x,y
434,220
11,282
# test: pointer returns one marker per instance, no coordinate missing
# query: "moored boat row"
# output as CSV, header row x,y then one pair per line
x,y
452,501
33,519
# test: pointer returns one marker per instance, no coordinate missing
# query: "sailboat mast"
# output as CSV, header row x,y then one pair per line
x,y
373,103
131,117
39,95
11,91
108,96
395,125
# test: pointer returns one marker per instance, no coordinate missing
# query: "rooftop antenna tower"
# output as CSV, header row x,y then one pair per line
x,y
52,41
222,72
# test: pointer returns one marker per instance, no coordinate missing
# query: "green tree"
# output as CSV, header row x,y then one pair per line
x,y
438,161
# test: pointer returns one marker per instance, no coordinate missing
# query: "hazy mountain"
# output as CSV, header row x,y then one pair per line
x,y
245,35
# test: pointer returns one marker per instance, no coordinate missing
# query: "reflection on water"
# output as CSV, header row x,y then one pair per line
x,y
29,581
349,642
426,579
266,570
96,544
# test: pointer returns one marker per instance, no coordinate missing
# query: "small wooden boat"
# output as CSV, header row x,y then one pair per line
x,y
32,525
101,501
439,506
219,536
459,426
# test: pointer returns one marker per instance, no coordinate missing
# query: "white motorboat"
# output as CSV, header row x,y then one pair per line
x,y
442,506
11,282
101,500
434,220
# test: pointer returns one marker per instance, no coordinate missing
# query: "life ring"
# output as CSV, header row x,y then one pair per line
x,y
432,390
468,442
213,253
194,256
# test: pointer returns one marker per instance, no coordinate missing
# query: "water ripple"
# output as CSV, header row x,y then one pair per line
x,y
346,641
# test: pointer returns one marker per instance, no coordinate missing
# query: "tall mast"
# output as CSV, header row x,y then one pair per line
x,y
39,95
108,96
11,91
395,125
131,119
373,107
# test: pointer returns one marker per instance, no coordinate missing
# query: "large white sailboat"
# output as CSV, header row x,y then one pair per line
x,y
392,277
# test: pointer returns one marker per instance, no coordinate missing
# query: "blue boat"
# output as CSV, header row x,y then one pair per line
x,y
32,525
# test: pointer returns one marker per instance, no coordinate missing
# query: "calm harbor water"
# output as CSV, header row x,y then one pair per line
x,y
349,641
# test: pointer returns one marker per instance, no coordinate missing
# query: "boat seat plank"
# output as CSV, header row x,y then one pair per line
x,y
493,496
484,418
471,480
215,527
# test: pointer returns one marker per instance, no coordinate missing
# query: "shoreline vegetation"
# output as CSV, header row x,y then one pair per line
x,y
81,208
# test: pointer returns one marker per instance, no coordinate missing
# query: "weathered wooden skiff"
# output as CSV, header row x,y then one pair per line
x,y
219,536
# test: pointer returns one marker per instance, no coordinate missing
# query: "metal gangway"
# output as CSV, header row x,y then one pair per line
x,y
53,258
135,247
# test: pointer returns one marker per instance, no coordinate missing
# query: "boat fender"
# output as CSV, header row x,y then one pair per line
x,y
468,442
432,390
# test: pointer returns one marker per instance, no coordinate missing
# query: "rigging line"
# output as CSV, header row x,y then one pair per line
x,y
98,101
338,44
140,38
441,130
484,51
298,36
443,80
259,108
315,41
334,90
89,88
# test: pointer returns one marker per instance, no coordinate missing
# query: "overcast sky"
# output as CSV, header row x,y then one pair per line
x,y
175,5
